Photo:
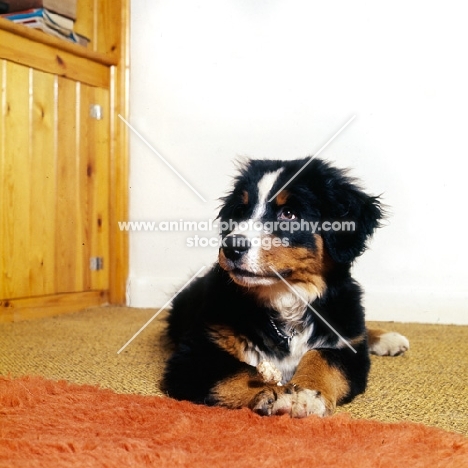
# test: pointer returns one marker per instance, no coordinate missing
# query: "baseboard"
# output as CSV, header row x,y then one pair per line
x,y
16,310
444,307
152,292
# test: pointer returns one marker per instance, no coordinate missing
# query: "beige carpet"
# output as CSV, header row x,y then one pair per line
x,y
428,385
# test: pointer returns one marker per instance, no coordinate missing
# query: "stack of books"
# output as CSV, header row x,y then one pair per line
x,y
56,17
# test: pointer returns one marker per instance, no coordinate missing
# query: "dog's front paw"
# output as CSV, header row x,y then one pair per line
x,y
290,399
390,344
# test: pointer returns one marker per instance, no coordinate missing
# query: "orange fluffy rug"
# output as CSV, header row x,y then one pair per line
x,y
57,424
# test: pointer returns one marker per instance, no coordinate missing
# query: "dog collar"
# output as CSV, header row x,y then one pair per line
x,y
282,335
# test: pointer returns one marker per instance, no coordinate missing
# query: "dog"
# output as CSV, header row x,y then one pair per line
x,y
277,324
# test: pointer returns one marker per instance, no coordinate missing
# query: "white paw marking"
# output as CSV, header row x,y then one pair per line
x,y
308,402
390,344
300,405
269,373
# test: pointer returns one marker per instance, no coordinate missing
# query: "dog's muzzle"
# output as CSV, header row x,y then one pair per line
x,y
234,246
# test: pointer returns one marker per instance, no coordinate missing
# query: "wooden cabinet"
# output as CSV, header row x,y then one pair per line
x,y
63,165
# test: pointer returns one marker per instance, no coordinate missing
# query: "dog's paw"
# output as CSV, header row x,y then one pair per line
x,y
390,344
292,400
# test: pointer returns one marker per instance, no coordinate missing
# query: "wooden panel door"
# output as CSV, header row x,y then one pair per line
x,y
15,181
54,192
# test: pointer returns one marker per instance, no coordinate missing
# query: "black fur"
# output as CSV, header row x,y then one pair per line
x,y
320,192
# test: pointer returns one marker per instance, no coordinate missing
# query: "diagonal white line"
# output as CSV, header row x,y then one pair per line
x,y
312,309
311,158
160,156
161,309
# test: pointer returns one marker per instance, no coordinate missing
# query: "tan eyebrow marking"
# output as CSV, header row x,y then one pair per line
x,y
282,198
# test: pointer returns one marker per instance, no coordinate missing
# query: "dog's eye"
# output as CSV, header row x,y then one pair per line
x,y
287,214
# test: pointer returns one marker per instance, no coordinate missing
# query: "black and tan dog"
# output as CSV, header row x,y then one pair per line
x,y
277,324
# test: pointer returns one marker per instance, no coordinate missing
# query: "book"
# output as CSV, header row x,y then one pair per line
x,y
54,18
65,8
48,22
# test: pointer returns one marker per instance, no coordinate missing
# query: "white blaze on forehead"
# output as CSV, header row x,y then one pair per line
x,y
251,260
264,187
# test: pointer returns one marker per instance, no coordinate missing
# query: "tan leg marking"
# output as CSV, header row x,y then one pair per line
x,y
315,373
315,389
238,391
374,334
224,337
247,391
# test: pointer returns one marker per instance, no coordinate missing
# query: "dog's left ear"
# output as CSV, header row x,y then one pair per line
x,y
352,217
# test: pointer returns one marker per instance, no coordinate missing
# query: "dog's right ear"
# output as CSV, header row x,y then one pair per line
x,y
357,224
344,203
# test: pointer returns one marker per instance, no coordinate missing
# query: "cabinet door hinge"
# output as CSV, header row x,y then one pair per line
x,y
96,263
96,112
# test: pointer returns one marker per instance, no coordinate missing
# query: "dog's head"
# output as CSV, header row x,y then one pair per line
x,y
293,220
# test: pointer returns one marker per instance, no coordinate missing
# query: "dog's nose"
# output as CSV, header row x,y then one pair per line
x,y
235,245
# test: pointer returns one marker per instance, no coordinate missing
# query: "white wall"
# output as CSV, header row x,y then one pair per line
x,y
212,80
